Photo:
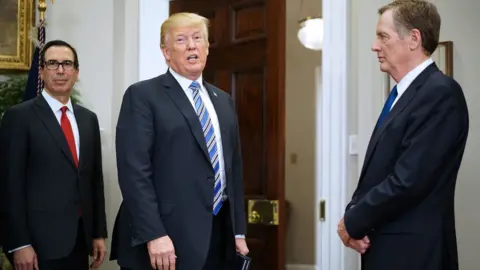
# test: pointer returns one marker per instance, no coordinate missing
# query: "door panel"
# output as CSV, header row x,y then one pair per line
x,y
247,60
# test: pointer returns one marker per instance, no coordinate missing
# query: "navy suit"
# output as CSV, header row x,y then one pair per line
x,y
404,200
166,177
44,190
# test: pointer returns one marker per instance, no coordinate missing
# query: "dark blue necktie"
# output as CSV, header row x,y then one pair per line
x,y
388,105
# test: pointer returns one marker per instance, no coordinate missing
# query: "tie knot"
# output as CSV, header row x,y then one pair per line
x,y
195,86
64,109
394,91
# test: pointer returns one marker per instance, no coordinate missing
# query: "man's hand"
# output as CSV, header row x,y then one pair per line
x,y
241,246
99,252
25,259
162,253
342,232
360,246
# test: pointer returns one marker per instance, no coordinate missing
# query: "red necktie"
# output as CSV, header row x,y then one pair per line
x,y
67,130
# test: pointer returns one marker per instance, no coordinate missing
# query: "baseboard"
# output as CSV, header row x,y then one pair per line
x,y
300,267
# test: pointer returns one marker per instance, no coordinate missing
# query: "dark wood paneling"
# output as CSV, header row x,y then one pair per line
x,y
250,99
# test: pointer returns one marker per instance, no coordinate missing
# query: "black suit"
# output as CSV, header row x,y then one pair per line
x,y
405,196
166,176
45,190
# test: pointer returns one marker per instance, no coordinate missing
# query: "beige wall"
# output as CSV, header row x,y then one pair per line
x,y
300,136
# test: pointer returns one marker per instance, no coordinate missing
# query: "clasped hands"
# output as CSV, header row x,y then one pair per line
x,y
360,245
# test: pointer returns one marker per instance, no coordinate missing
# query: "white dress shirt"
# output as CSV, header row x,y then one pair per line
x,y
185,83
405,82
56,107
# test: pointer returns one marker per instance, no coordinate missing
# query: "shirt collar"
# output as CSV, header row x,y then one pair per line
x,y
54,104
184,82
405,82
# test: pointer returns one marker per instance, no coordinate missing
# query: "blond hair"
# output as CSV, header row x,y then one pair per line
x,y
183,19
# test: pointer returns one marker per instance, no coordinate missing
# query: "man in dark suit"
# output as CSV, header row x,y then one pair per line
x,y
401,215
53,174
179,163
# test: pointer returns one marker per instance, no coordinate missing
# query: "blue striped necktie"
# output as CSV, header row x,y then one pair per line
x,y
211,141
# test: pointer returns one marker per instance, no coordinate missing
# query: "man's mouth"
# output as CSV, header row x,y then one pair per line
x,y
192,58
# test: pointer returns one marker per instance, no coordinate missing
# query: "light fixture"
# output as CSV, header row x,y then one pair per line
x,y
310,33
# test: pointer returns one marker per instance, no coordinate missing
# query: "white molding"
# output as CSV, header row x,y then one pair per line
x,y
332,136
301,267
152,13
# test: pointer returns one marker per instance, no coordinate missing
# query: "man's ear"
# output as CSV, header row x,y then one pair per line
x,y
416,39
166,53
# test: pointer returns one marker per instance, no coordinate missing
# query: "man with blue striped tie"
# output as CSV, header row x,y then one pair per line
x,y
179,163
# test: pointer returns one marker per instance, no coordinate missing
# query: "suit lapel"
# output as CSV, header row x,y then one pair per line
x,y
82,133
222,118
404,100
175,91
51,123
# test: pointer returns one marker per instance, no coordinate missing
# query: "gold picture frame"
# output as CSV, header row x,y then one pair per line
x,y
16,20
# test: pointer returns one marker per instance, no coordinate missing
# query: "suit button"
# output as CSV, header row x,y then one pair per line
x,y
210,180
209,208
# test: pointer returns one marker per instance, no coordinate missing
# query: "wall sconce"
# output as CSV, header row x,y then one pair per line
x,y
310,33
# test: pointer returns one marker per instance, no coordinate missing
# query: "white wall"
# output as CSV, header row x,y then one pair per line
x,y
367,93
118,43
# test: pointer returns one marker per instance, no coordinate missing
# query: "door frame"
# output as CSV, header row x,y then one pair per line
x,y
332,146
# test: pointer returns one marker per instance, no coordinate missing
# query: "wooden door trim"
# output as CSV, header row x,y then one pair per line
x,y
276,174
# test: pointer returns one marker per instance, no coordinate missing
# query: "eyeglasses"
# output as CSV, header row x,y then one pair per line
x,y
53,64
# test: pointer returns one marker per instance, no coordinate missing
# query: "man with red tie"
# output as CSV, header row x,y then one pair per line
x,y
53,173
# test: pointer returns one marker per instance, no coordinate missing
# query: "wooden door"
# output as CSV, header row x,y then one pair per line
x,y
247,59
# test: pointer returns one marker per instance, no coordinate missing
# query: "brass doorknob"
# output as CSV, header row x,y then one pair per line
x,y
254,217
262,211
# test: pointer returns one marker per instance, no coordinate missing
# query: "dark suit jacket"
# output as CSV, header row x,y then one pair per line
x,y
405,197
165,175
44,188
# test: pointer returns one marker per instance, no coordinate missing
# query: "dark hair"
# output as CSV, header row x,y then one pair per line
x,y
59,43
416,14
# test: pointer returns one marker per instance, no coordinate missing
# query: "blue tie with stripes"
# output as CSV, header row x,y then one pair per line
x,y
211,141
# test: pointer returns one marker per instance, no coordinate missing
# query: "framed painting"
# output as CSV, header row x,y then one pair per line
x,y
16,20
443,57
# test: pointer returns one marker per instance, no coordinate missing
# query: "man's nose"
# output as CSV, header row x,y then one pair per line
x,y
191,44
60,69
375,47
